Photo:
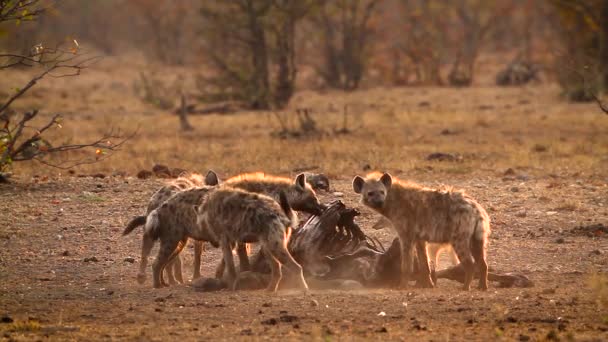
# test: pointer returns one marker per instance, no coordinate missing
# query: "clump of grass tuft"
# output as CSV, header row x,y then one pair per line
x,y
23,326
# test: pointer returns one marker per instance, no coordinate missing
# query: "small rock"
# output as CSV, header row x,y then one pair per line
x,y
595,252
6,319
338,194
270,321
91,259
540,148
381,330
129,260
514,189
98,175
521,214
161,170
548,291
267,305
511,319
524,338
366,167
288,318
424,104
247,332
144,174
509,172
560,240
314,302
440,156
65,253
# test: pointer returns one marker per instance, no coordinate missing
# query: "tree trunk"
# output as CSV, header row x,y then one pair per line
x,y
183,115
259,80
603,36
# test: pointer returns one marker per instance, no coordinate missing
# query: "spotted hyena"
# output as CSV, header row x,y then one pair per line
x,y
173,223
234,216
188,181
299,194
420,215
434,250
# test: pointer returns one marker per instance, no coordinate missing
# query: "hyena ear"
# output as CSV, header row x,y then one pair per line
x,y
387,180
301,180
358,184
212,179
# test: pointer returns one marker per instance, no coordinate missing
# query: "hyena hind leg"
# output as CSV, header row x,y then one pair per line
x,y
278,250
147,244
479,254
463,251
275,272
165,251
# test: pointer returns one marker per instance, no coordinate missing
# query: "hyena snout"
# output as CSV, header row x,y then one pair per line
x,y
375,201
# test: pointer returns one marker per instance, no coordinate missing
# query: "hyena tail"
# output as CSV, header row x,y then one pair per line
x,y
152,223
135,222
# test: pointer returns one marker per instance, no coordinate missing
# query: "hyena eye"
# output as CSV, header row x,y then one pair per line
x,y
370,193
382,192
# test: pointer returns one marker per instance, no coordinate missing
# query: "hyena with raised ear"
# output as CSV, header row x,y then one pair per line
x,y
234,216
420,215
184,182
299,194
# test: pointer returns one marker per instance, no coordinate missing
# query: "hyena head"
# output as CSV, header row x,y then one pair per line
x,y
373,189
302,197
212,178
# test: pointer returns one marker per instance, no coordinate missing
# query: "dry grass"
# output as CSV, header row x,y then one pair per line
x,y
529,129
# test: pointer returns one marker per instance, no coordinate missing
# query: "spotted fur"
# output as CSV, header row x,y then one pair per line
x,y
420,215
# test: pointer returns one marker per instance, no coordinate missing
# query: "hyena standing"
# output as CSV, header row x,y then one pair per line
x,y
234,216
173,223
299,194
433,249
420,215
189,181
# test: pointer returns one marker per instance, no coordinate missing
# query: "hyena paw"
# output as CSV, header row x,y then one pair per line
x,y
141,278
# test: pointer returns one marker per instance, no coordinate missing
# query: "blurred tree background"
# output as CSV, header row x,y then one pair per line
x,y
258,52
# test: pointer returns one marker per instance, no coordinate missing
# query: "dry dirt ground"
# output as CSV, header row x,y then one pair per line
x,y
51,289
66,273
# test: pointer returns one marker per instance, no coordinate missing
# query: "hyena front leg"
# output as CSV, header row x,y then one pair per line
x,y
175,264
198,250
241,250
424,278
407,255
165,251
229,262
172,269
177,269
147,244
